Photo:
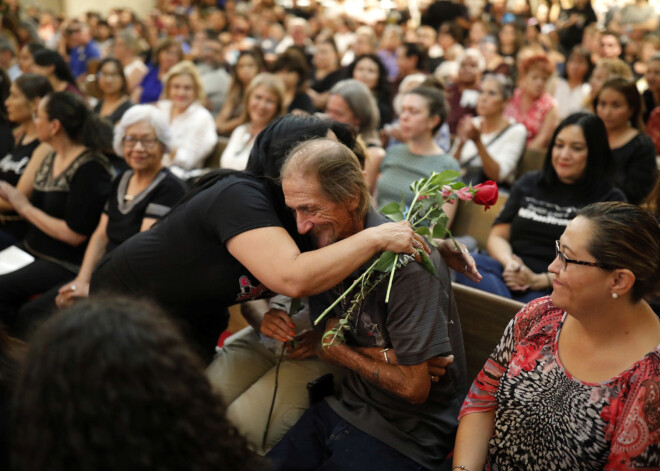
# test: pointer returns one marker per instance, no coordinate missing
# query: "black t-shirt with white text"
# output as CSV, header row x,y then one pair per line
x,y
538,216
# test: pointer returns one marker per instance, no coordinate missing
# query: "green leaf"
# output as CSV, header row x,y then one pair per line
x,y
392,208
440,228
445,178
385,262
423,231
427,263
396,217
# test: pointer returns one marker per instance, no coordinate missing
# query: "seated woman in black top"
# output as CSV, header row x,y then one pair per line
x,y
20,164
619,105
139,197
111,82
327,71
291,67
521,243
233,240
70,189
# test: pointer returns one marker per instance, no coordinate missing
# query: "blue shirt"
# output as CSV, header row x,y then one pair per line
x,y
80,56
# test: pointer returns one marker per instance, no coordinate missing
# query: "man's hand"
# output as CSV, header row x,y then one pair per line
x,y
459,259
305,345
437,365
278,325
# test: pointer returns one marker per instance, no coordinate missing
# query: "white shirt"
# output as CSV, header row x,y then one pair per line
x,y
193,135
237,152
506,150
570,101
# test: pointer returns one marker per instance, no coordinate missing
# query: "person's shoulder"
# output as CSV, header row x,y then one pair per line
x,y
643,140
172,182
537,313
397,149
528,180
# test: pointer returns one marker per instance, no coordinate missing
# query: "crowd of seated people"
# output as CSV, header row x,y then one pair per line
x,y
165,156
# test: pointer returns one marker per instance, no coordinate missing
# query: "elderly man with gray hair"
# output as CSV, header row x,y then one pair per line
x,y
392,410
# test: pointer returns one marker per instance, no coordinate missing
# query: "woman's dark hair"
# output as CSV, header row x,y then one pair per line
x,y
46,58
382,85
629,90
292,60
5,84
435,100
34,47
166,44
584,54
110,384
268,153
33,86
78,121
12,354
120,72
236,89
383,92
626,236
599,155
415,50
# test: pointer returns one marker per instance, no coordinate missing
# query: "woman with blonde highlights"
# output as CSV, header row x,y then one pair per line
x,y
192,126
263,102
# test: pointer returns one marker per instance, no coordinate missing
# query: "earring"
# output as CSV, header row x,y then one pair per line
x,y
614,295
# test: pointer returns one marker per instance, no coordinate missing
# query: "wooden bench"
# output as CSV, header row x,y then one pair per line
x,y
484,316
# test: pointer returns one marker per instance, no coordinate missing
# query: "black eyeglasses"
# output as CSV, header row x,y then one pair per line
x,y
565,260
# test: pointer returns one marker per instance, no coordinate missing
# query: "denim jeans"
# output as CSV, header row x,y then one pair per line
x,y
321,440
492,281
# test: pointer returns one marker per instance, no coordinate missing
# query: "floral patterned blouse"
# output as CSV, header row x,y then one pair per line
x,y
533,118
545,419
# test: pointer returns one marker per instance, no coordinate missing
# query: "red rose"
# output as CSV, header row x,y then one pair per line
x,y
486,194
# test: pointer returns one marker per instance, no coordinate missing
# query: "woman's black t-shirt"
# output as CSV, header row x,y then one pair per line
x,y
182,262
125,216
635,170
77,196
13,164
12,167
538,216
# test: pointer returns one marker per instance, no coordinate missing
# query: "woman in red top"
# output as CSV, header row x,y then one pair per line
x,y
531,105
575,381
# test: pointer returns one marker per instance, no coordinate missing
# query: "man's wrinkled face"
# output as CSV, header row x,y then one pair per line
x,y
324,220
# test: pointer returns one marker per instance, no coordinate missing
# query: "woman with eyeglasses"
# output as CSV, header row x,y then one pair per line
x,y
573,384
70,189
576,172
111,82
139,197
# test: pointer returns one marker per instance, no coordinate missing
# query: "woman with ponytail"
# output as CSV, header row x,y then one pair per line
x,y
70,189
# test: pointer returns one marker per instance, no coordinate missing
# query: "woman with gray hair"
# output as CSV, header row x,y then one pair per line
x,y
351,102
139,197
489,145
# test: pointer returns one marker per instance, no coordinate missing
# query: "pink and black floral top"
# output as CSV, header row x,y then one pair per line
x,y
533,118
546,419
